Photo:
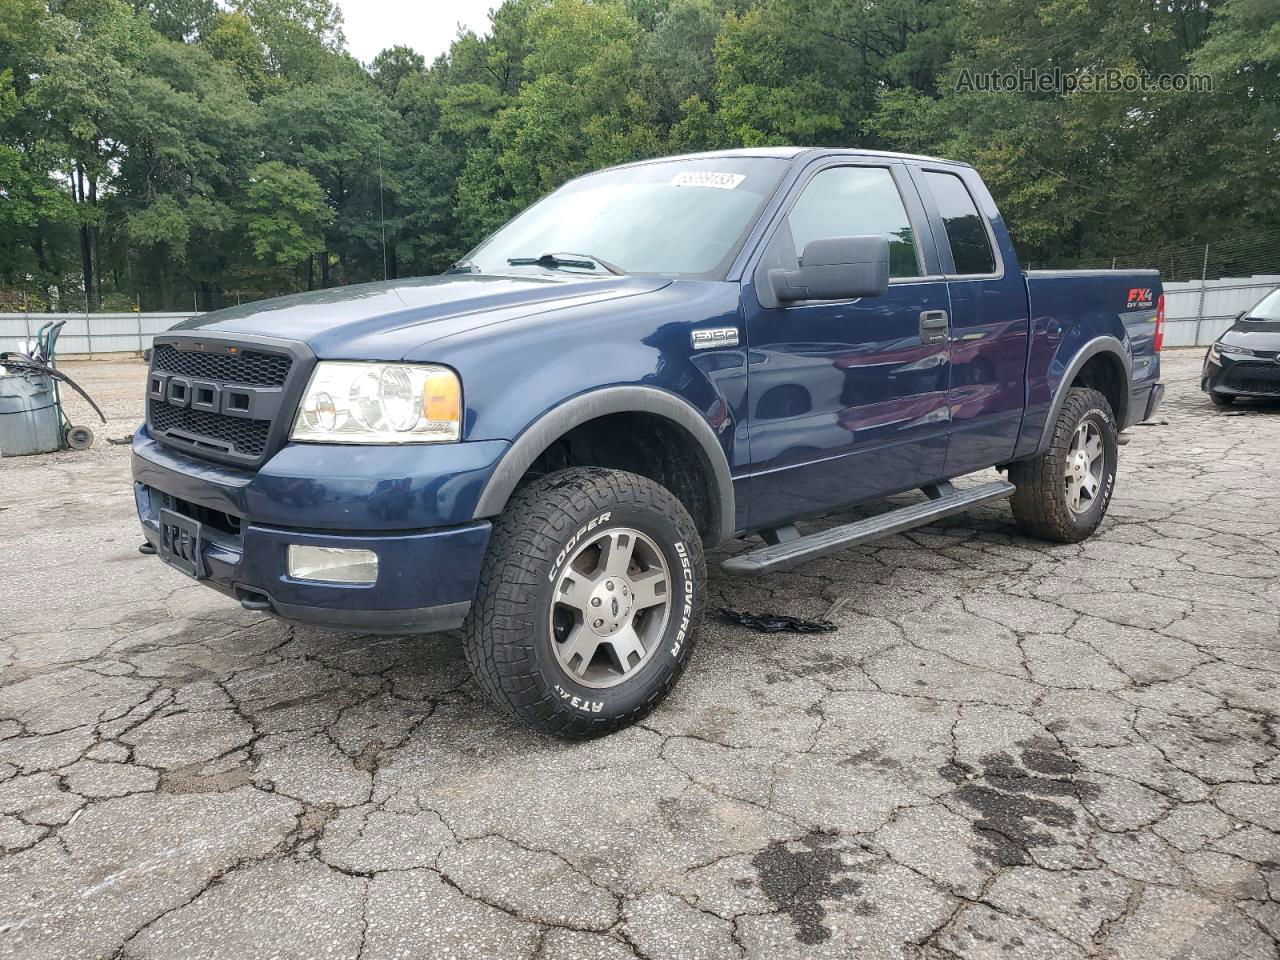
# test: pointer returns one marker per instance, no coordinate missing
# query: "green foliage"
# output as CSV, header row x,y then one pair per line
x,y
285,214
1243,53
177,19
152,149
301,37
393,65
343,133
1087,174
231,39
809,71
680,52
192,133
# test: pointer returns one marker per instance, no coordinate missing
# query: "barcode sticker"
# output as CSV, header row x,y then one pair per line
x,y
707,178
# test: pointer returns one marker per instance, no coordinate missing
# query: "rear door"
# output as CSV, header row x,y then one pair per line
x,y
847,400
989,319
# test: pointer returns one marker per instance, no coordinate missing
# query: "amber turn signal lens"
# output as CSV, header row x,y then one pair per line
x,y
442,398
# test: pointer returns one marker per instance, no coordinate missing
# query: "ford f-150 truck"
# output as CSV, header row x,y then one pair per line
x,y
539,445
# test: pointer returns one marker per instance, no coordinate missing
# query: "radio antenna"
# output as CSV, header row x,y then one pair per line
x,y
382,210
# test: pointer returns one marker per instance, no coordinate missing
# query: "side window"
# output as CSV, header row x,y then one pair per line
x,y
853,202
966,230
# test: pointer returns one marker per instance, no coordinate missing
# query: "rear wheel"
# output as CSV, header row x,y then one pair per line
x,y
588,600
1062,495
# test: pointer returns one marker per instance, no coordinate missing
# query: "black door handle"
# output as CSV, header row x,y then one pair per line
x,y
934,325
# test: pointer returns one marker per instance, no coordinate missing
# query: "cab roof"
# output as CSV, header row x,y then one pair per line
x,y
794,153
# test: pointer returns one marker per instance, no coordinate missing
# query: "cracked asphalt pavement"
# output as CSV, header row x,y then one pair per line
x,y
1007,749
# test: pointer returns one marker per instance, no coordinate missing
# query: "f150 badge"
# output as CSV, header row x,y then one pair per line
x,y
707,338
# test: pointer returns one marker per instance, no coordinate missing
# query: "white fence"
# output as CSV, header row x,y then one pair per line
x,y
1196,312
89,334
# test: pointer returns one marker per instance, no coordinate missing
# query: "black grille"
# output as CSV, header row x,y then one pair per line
x,y
245,437
249,368
1254,377
1254,385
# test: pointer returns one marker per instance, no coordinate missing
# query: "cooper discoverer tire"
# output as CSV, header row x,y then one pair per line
x,y
1053,499
589,597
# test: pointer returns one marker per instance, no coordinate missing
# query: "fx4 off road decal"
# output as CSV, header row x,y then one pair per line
x,y
1140,297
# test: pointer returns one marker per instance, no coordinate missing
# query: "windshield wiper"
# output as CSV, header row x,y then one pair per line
x,y
582,261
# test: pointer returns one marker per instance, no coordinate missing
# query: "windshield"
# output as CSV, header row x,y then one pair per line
x,y
1267,309
683,218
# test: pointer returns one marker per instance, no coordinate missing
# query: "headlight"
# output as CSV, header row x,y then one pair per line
x,y
1230,350
349,402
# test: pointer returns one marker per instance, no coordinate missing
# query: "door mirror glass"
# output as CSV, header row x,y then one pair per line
x,y
836,268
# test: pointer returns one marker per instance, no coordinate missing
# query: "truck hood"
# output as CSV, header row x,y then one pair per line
x,y
386,320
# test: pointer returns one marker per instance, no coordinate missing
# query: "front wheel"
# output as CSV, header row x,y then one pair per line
x,y
1062,495
589,597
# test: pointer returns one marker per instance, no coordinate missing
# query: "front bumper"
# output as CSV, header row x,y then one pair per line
x,y
426,577
1243,377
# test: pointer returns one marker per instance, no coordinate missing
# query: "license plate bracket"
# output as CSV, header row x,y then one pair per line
x,y
180,543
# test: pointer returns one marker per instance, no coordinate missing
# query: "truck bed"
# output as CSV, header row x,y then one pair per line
x,y
1070,308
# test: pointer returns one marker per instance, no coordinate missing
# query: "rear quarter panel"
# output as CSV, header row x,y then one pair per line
x,y
1070,309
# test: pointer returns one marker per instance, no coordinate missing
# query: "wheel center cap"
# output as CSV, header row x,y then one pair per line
x,y
611,604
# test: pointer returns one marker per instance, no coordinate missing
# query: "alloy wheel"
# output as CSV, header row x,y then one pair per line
x,y
610,607
1085,462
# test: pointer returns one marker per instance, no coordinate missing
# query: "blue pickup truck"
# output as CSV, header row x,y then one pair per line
x,y
539,445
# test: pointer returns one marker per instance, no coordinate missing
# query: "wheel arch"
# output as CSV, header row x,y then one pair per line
x,y
1104,364
578,411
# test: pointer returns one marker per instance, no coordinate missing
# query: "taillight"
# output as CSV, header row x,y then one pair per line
x,y
1158,343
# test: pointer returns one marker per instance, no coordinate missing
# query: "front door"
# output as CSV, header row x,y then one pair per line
x,y
847,400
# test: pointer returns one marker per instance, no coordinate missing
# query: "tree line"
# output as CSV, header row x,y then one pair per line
x,y
165,153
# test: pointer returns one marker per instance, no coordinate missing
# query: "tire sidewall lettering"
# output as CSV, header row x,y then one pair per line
x,y
686,611
579,703
1107,421
566,551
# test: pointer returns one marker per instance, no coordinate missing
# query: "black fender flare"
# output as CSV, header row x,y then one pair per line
x,y
598,403
1103,344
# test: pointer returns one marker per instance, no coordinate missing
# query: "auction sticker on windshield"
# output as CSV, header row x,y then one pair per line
x,y
707,178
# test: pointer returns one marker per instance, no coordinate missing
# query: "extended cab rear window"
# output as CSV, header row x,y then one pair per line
x,y
966,230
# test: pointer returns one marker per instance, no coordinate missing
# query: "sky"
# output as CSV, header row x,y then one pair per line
x,y
428,26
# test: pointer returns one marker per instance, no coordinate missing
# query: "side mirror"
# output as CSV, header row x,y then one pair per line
x,y
838,268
